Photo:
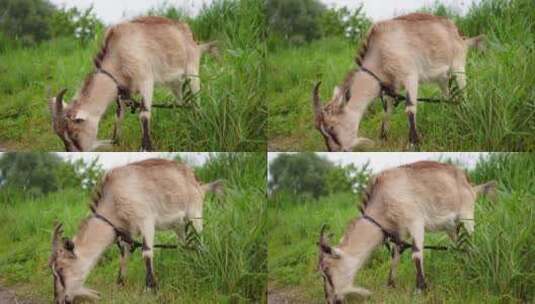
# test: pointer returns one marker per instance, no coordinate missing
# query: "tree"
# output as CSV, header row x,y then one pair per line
x,y
351,24
26,20
299,174
348,179
82,24
295,20
35,174
32,173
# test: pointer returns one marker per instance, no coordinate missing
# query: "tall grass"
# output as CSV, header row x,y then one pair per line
x,y
497,114
500,268
229,265
231,111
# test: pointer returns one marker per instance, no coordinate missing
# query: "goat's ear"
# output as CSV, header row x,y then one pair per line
x,y
68,244
337,92
80,116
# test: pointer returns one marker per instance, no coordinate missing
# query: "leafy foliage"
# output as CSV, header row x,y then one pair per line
x,y
82,24
308,174
295,20
344,22
37,174
26,20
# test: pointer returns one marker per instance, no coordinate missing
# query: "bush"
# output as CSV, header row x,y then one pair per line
x,y
82,24
307,175
343,22
295,20
26,20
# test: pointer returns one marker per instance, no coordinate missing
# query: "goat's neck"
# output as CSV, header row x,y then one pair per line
x,y
97,94
359,241
90,243
364,89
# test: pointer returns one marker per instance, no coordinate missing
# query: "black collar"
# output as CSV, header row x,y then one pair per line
x,y
122,91
388,235
122,234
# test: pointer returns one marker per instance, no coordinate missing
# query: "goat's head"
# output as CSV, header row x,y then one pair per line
x,y
76,128
335,122
328,266
67,271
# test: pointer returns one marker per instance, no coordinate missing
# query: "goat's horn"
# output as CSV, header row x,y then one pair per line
x,y
56,235
323,240
316,99
59,101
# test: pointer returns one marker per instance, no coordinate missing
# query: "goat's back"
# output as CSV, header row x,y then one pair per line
x,y
150,44
412,41
424,189
154,187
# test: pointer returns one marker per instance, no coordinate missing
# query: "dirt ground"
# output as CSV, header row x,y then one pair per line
x,y
282,295
7,296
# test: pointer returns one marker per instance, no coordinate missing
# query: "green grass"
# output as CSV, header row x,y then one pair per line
x,y
231,115
231,268
497,114
500,269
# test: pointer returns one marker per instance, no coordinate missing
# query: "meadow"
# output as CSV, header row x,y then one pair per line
x,y
498,269
227,266
230,113
497,114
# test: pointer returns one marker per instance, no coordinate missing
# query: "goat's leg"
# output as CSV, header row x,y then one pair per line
x,y
180,231
197,224
144,115
394,265
385,125
176,87
118,121
124,250
147,231
417,231
410,108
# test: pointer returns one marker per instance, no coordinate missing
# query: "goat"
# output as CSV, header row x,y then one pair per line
x,y
135,199
403,202
402,52
135,56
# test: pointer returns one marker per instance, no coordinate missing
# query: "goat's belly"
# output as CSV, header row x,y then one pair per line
x,y
433,74
441,223
170,220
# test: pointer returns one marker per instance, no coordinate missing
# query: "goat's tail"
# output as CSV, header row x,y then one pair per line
x,y
477,42
216,187
210,47
486,190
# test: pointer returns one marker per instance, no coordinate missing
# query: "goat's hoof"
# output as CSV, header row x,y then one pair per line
x,y
151,289
418,291
414,147
120,281
391,284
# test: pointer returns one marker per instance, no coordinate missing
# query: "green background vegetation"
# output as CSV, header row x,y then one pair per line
x,y
499,268
497,114
230,114
230,268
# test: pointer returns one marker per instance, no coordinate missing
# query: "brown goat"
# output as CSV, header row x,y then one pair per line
x,y
403,202
135,199
135,56
400,53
